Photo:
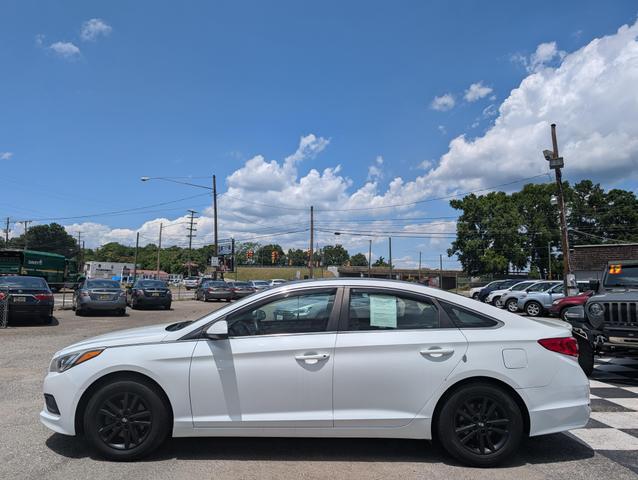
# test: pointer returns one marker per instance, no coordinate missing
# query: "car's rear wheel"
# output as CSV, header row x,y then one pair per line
x,y
533,309
126,420
475,296
496,301
512,305
585,355
480,425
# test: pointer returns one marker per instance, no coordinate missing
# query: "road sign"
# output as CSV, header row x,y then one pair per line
x,y
225,249
214,261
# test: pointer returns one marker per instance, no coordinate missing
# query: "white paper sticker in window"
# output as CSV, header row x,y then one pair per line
x,y
383,311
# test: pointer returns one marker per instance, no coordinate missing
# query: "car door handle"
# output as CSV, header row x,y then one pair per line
x,y
437,352
312,357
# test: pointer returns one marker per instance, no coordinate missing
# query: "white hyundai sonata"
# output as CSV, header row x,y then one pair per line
x,y
330,358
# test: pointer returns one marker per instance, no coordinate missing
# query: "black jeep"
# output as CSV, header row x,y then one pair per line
x,y
608,323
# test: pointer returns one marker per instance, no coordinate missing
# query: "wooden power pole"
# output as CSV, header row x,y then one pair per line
x,y
159,250
312,236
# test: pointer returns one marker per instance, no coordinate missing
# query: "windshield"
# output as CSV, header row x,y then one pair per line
x,y
102,284
23,282
521,286
619,275
540,287
150,284
260,283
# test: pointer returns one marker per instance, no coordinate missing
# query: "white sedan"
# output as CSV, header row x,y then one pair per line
x,y
330,358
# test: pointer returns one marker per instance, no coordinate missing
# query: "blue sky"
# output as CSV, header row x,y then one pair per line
x,y
195,88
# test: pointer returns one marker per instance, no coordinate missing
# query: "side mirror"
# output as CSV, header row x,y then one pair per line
x,y
218,330
575,314
594,285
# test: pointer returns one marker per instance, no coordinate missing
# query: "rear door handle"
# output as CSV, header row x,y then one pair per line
x,y
437,352
312,358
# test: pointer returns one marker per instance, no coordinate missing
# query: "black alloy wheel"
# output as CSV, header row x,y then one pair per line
x,y
126,420
480,425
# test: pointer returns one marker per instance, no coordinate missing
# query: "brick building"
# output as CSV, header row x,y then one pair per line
x,y
589,261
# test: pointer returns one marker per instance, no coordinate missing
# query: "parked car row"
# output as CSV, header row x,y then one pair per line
x,y
231,290
533,297
27,297
108,296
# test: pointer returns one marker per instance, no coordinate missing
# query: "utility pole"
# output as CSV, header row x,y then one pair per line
x,y
191,229
556,163
369,257
312,235
216,249
390,252
441,271
549,260
6,235
419,267
26,230
159,249
137,246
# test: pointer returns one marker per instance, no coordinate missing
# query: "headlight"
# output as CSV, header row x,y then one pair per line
x,y
556,302
64,362
596,309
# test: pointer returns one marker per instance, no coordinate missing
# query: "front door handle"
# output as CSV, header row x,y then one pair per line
x,y
312,358
437,352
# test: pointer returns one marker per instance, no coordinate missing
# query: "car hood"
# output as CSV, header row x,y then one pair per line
x,y
499,292
131,336
618,296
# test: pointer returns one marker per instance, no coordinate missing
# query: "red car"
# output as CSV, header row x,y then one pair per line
x,y
559,306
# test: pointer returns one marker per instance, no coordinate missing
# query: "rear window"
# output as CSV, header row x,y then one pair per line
x,y
260,282
24,282
215,284
464,318
242,284
151,284
102,284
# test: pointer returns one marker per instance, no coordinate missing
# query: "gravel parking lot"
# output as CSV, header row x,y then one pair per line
x,y
28,450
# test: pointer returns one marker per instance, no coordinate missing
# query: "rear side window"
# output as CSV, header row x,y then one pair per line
x,y
464,318
381,311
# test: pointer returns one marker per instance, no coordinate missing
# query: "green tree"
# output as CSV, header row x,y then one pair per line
x,y
263,256
52,238
380,262
297,257
335,255
241,252
359,260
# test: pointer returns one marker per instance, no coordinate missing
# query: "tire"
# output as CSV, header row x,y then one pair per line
x,y
496,301
134,305
533,309
480,443
121,312
48,319
116,436
512,305
585,356
79,312
475,296
561,315
167,307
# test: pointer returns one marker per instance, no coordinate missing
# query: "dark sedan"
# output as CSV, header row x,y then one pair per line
x,y
242,289
99,294
214,290
29,297
149,293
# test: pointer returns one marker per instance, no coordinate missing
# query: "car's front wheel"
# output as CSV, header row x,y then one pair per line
x,y
512,305
126,420
480,425
534,309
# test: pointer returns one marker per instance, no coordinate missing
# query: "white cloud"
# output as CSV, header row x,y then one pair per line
x,y
592,97
442,129
66,50
94,28
425,164
6,155
443,103
39,40
476,91
374,171
545,54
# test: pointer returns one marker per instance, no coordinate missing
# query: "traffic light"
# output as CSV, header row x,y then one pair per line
x,y
249,254
274,255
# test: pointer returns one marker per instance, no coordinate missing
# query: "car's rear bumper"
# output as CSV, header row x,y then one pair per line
x,y
153,301
219,295
103,305
30,310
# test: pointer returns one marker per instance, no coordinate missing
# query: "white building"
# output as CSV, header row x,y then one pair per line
x,y
107,269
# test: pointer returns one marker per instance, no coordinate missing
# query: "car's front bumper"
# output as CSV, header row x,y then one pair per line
x,y
63,389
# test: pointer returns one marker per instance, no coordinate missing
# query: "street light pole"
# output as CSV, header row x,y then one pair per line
x,y
369,257
215,251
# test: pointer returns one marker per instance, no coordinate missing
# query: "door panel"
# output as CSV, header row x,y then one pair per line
x,y
386,370
275,370
259,382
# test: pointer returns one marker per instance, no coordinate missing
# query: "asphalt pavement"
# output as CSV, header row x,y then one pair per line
x,y
30,451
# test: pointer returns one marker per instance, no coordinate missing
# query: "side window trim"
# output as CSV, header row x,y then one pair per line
x,y
497,323
445,321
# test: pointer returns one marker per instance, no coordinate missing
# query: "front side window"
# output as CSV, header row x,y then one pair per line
x,y
381,311
305,313
539,287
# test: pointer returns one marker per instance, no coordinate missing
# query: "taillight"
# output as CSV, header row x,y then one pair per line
x,y
564,345
43,296
1,296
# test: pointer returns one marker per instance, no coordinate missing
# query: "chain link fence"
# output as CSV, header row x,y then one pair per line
x,y
4,308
